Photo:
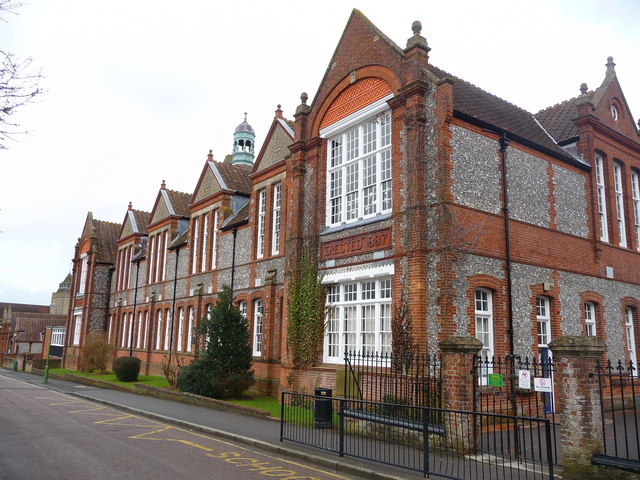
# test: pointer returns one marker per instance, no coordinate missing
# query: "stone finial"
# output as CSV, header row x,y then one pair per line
x,y
279,111
130,206
245,116
610,66
583,88
304,97
416,27
210,156
417,40
163,185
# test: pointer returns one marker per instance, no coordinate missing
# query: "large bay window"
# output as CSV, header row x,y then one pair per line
x,y
602,202
359,170
358,318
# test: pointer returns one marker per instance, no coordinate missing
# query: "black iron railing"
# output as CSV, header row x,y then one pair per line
x,y
430,440
618,384
409,379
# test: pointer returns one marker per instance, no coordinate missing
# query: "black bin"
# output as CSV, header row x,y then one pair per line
x,y
323,408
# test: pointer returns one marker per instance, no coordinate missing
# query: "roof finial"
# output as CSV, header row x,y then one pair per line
x,y
416,27
610,66
210,156
130,206
163,186
417,40
279,111
245,116
583,88
304,97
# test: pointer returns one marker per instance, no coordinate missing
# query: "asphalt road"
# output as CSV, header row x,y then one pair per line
x,y
49,435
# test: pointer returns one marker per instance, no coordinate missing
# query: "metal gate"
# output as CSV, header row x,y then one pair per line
x,y
515,386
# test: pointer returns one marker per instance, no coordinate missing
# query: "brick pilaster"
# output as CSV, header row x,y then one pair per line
x,y
579,402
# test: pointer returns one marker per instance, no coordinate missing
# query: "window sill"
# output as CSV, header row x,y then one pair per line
x,y
359,223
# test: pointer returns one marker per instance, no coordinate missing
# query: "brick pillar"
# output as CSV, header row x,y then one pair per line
x,y
578,400
457,387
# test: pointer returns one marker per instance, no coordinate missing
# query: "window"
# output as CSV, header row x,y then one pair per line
x,y
359,171
194,246
151,260
484,322
123,340
205,242
617,177
275,233
635,192
262,200
358,318
190,329
140,329
130,330
214,242
82,286
590,318
242,306
631,339
544,321
57,337
159,331
180,329
163,275
167,329
258,310
77,316
614,113
602,202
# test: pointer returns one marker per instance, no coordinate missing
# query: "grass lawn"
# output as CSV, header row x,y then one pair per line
x,y
270,404
160,382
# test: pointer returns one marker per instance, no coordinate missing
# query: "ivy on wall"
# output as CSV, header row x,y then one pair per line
x,y
306,312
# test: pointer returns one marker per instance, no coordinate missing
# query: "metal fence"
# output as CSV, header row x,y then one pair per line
x,y
434,441
618,384
507,386
409,379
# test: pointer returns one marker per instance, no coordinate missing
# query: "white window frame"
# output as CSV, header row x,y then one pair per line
x,y
543,320
77,328
180,329
163,276
590,319
84,267
619,191
189,328
631,338
358,184
275,230
130,330
194,247
205,242
167,329
214,241
242,306
150,262
57,337
602,198
483,311
358,318
262,201
258,318
140,328
635,193
159,330
123,339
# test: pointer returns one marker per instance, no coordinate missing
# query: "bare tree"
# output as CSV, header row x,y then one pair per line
x,y
19,84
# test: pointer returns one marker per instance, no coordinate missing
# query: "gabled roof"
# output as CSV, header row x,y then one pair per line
x,y
105,247
559,120
276,145
240,218
24,307
179,202
235,177
169,203
135,222
217,176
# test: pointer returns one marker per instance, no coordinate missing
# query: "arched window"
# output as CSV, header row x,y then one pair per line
x,y
631,338
590,319
159,330
258,310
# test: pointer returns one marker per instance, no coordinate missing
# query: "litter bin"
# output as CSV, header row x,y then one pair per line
x,y
323,408
15,365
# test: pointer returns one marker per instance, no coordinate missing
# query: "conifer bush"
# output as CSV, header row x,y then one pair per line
x,y
127,369
224,369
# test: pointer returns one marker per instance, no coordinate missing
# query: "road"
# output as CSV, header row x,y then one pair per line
x,y
49,435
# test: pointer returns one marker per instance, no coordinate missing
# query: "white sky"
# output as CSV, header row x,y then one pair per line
x,y
139,91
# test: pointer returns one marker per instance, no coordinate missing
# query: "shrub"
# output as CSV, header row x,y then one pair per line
x,y
172,368
224,369
126,368
97,352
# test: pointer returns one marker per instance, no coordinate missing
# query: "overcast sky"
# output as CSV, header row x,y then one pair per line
x,y
139,91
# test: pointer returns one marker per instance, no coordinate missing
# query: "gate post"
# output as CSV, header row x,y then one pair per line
x,y
457,383
579,402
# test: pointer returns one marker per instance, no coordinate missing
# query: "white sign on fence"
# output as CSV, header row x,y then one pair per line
x,y
543,385
524,379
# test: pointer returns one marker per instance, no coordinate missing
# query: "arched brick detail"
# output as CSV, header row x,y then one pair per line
x,y
553,295
377,72
498,307
598,301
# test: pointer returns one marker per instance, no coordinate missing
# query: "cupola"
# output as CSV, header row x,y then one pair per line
x,y
243,144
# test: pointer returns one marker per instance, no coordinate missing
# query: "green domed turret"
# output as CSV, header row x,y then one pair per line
x,y
243,144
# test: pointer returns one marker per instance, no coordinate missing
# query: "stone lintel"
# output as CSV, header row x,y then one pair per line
x,y
464,345
586,347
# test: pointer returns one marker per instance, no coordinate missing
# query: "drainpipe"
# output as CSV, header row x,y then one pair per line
x,y
504,144
135,301
233,258
173,307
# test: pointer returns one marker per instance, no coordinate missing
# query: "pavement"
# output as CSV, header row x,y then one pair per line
x,y
257,432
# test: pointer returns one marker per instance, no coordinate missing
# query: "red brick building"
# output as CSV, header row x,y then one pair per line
x,y
413,186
